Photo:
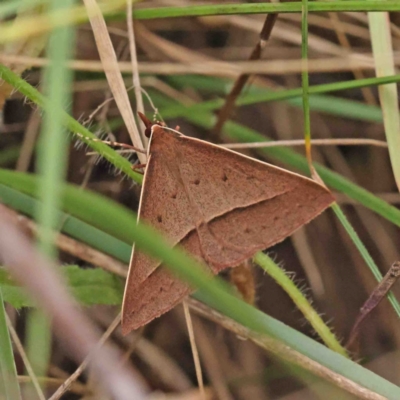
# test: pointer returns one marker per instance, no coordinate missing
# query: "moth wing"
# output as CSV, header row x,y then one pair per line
x,y
245,205
249,230
160,292
229,240
233,205
163,206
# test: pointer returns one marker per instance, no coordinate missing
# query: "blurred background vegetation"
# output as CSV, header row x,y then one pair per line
x,y
189,55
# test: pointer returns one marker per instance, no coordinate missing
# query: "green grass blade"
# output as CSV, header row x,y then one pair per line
x,y
264,8
82,204
53,145
72,125
51,165
29,26
9,387
318,102
72,226
116,220
279,275
218,296
307,133
314,318
215,293
364,253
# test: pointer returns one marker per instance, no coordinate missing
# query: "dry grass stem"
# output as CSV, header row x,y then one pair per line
x,y
212,362
76,387
28,145
307,259
238,86
314,142
111,68
216,68
27,364
73,377
162,365
196,359
135,67
278,349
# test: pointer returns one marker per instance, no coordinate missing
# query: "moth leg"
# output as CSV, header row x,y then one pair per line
x,y
136,167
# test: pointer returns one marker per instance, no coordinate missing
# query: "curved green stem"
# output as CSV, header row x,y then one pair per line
x,y
287,284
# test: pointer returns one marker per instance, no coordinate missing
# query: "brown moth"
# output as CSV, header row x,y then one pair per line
x,y
219,205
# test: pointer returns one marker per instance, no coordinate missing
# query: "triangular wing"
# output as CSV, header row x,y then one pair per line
x,y
220,205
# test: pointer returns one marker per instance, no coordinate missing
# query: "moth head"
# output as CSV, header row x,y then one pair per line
x,y
151,126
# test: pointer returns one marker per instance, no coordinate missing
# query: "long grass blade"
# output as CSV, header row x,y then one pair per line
x,y
382,47
321,359
51,165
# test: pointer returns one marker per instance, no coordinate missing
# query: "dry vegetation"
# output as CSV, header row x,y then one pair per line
x,y
188,61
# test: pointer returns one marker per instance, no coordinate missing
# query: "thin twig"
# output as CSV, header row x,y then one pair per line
x,y
213,361
64,387
135,67
195,352
25,359
241,81
76,388
29,141
379,293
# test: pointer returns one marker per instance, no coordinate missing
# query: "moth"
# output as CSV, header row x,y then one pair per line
x,y
219,205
